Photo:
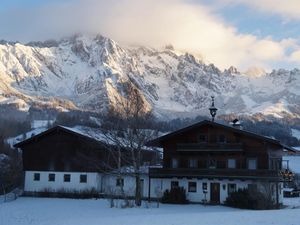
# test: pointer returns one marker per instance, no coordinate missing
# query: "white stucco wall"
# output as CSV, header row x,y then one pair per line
x,y
109,185
93,181
106,184
199,196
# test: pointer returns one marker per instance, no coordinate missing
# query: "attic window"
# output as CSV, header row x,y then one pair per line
x,y
202,138
222,138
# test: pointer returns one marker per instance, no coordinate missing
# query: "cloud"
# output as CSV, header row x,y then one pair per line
x,y
288,9
190,27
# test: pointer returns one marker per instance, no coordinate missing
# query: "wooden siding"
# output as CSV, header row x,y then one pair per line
x,y
238,146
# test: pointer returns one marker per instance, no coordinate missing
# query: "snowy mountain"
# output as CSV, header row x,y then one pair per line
x,y
96,73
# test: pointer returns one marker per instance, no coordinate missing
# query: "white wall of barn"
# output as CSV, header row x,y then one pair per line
x,y
109,185
93,181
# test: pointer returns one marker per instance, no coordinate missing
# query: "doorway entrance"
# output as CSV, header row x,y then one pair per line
x,y
215,193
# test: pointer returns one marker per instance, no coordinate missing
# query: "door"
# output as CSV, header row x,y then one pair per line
x,y
142,187
215,193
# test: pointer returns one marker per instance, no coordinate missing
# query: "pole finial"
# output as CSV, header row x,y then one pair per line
x,y
213,109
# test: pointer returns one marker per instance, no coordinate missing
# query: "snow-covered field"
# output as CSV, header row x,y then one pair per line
x,y
44,211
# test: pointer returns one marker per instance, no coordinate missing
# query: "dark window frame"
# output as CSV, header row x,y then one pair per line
x,y
67,178
256,163
36,176
191,186
212,164
120,182
222,140
202,140
204,186
83,178
174,184
190,164
51,177
173,160
234,163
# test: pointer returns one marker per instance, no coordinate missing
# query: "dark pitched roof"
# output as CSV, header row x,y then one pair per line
x,y
158,141
55,129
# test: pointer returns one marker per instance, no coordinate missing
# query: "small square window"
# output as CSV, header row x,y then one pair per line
x,y
231,163
202,138
222,138
120,182
212,164
36,176
67,177
192,187
204,186
174,163
83,178
193,163
174,184
252,164
51,177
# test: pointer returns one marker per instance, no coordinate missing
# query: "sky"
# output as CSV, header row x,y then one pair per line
x,y
242,33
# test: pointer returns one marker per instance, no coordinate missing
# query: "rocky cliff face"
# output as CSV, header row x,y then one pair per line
x,y
96,73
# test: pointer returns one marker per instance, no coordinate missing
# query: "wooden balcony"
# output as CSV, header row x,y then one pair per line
x,y
243,174
209,147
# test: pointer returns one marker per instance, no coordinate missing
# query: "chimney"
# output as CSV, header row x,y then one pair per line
x,y
236,124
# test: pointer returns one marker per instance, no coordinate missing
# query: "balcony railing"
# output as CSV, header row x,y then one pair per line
x,y
214,173
210,147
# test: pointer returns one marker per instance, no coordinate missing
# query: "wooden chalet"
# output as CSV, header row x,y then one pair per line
x,y
210,160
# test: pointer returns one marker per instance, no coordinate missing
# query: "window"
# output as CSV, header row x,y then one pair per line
x,y
275,164
193,163
67,177
36,176
51,177
231,188
231,163
83,178
252,164
192,187
204,186
120,182
222,138
174,163
202,138
174,184
212,164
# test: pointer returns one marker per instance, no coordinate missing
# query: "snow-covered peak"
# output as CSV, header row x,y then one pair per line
x,y
95,73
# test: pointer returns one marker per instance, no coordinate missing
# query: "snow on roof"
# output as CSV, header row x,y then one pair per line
x,y
93,133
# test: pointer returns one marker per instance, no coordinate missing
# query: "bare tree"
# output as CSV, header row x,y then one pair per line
x,y
128,129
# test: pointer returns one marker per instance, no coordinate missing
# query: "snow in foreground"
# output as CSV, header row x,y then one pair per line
x,y
43,211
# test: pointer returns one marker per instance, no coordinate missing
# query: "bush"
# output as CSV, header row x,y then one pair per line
x,y
66,193
175,196
246,199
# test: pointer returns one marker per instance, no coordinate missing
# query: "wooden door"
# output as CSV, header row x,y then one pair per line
x,y
215,193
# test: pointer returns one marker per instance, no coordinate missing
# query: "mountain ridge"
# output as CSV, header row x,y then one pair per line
x,y
95,73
